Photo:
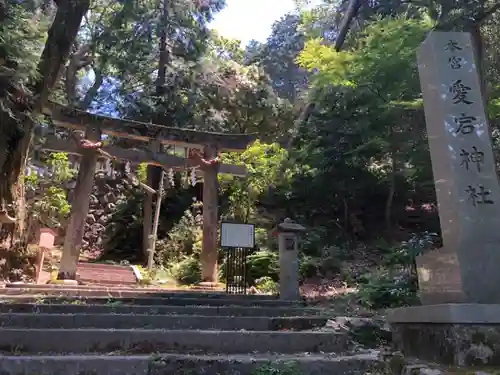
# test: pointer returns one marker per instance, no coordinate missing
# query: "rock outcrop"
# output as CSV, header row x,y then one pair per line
x,y
108,192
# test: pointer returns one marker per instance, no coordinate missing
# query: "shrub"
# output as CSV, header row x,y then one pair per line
x,y
396,283
308,267
184,239
123,235
327,264
260,264
387,288
187,271
18,262
267,285
263,263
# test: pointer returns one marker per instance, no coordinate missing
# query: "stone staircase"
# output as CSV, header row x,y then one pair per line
x,y
111,331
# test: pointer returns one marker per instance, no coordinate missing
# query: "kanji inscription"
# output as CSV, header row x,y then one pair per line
x,y
452,46
471,159
460,92
479,195
465,124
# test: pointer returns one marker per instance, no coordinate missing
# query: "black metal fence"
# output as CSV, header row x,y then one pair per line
x,y
236,269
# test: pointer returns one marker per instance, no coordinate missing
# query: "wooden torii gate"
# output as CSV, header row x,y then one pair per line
x,y
154,136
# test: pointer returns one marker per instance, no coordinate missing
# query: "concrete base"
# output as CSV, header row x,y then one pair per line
x,y
450,334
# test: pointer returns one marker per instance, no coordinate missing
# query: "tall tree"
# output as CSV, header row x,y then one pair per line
x,y
278,54
23,93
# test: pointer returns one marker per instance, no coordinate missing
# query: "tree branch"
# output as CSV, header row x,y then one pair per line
x,y
79,60
488,13
60,38
352,11
92,92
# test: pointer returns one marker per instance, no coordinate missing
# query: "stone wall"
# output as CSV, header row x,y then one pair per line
x,y
108,192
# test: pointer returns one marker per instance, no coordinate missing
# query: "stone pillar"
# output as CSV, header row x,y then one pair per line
x,y
288,243
459,323
468,192
209,251
79,208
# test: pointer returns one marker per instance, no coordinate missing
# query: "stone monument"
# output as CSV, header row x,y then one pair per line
x,y
459,283
288,244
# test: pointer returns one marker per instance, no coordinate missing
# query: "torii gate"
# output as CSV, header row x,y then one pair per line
x,y
155,135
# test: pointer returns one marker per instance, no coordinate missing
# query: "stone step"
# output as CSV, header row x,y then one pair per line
x,y
110,274
87,291
175,364
175,322
151,301
142,341
113,308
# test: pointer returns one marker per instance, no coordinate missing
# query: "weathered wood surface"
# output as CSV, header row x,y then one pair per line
x,y
209,251
138,156
79,208
76,119
147,220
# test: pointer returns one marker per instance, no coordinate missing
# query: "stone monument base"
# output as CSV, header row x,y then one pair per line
x,y
439,278
450,334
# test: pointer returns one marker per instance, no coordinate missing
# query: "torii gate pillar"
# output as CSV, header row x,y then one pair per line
x,y
209,252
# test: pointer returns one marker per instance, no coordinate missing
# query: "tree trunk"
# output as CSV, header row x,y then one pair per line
x,y
152,171
478,47
352,11
15,138
16,133
390,199
392,181
60,38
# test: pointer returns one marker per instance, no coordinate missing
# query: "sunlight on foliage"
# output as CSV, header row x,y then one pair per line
x,y
264,170
47,199
21,41
384,58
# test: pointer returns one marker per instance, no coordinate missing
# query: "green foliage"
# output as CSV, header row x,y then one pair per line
x,y
263,263
289,368
277,57
385,48
21,39
264,163
47,196
354,152
142,172
123,236
395,284
387,288
187,271
326,263
179,252
266,284
183,240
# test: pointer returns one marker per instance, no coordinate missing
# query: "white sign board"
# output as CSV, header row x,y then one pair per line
x,y
237,235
